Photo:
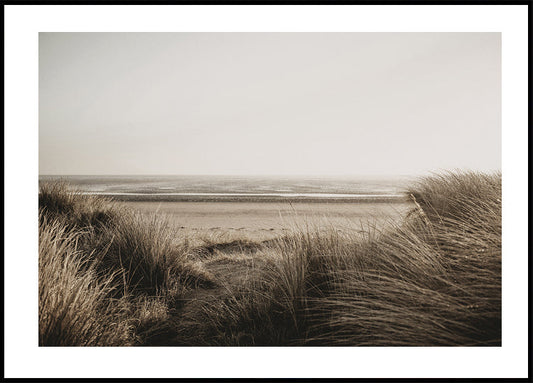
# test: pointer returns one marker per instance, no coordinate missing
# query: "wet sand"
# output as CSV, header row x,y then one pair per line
x,y
263,220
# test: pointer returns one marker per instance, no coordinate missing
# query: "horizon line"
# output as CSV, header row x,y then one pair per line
x,y
229,175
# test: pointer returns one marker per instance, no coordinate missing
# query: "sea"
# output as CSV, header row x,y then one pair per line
x,y
237,188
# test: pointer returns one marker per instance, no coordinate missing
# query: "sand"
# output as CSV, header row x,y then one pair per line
x,y
264,220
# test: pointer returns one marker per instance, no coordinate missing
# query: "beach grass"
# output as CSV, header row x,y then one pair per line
x,y
109,276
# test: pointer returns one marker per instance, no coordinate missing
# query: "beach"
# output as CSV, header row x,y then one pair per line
x,y
252,207
265,220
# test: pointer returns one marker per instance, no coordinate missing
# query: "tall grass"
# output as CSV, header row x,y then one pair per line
x,y
74,304
432,280
103,270
75,209
144,251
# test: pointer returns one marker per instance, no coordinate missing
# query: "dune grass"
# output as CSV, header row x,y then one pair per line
x,y
100,265
74,300
433,280
111,277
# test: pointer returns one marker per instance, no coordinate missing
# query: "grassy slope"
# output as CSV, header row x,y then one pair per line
x,y
113,257
119,279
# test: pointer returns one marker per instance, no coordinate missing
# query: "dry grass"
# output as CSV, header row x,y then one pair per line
x,y
432,280
75,308
101,267
75,209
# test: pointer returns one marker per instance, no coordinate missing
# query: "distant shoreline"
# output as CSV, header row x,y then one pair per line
x,y
243,197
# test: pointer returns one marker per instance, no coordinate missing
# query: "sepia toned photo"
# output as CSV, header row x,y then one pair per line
x,y
270,189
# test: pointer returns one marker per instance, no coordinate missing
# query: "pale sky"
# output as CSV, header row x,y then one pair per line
x,y
269,103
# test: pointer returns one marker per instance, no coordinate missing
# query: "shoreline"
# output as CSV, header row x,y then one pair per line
x,y
234,198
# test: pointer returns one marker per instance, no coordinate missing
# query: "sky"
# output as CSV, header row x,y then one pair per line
x,y
269,103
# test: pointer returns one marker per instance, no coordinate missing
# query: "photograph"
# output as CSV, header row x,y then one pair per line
x,y
283,189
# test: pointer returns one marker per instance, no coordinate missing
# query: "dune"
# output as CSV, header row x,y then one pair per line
x,y
420,273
